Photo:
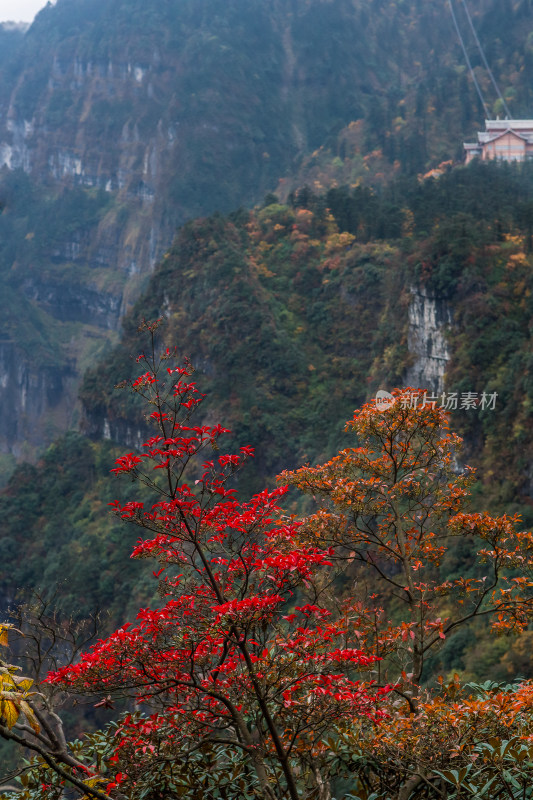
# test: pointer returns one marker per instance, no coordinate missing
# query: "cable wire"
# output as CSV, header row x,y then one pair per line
x,y
482,52
472,73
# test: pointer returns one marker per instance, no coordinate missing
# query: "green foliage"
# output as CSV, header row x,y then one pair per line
x,y
58,536
182,777
36,223
261,290
320,320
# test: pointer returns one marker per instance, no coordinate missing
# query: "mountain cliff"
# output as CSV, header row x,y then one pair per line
x,y
293,316
121,119
323,303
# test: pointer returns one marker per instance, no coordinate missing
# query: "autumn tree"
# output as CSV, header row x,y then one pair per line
x,y
249,680
392,510
392,507
30,711
244,668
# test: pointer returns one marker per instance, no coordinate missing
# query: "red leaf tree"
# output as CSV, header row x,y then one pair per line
x,y
245,652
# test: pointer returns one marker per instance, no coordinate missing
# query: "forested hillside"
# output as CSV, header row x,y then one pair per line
x,y
280,184
293,315
120,120
314,298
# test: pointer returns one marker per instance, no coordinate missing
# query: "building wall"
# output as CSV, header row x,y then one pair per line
x,y
507,148
470,155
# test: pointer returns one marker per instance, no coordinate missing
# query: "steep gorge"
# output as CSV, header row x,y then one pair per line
x,y
121,119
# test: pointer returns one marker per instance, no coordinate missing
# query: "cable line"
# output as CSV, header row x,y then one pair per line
x,y
509,115
472,73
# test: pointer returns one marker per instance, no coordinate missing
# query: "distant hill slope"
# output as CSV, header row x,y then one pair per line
x,y
294,315
121,119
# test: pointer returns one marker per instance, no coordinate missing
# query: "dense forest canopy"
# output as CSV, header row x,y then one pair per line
x,y
314,298
121,121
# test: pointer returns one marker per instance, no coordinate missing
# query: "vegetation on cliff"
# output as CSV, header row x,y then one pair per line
x,y
177,109
313,297
314,301
126,119
286,656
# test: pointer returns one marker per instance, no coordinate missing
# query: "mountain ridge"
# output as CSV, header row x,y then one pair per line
x,y
126,119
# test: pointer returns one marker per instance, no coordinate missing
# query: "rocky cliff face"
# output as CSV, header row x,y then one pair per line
x,y
31,396
71,303
151,113
66,139
429,317
124,118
